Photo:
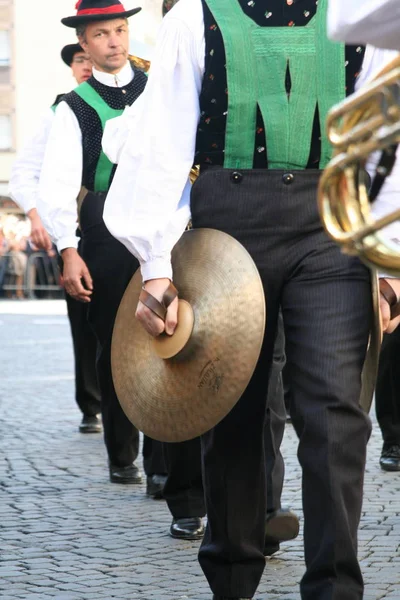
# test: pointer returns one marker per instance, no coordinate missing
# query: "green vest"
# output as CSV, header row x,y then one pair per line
x,y
257,59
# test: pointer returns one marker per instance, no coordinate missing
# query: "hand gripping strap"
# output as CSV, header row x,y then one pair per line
x,y
390,296
159,308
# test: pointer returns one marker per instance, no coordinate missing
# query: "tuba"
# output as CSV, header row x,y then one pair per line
x,y
366,122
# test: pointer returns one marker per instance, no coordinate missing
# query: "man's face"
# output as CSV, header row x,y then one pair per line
x,y
81,67
107,43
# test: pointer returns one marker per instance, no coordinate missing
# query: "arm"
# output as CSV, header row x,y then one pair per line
x,y
375,22
24,180
60,183
389,198
147,207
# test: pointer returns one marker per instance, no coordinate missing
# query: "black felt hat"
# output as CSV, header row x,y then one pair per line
x,y
69,51
98,10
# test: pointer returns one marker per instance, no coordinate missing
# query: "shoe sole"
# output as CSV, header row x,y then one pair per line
x,y
187,538
282,528
126,481
389,468
155,496
90,431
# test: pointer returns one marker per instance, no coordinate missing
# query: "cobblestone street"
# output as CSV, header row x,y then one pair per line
x,y
69,534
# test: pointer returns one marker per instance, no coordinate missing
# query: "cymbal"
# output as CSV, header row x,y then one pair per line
x,y
179,398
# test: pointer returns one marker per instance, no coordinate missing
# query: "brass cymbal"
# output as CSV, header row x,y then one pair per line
x,y
179,398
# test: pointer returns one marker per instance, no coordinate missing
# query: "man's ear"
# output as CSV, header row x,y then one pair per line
x,y
82,42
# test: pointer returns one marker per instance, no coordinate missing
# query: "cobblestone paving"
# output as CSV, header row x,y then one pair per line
x,y
67,533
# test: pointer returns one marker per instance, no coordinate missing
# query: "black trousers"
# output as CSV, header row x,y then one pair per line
x,y
326,304
87,393
184,488
274,426
111,267
387,393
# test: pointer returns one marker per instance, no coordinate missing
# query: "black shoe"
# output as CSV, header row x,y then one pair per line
x,y
390,458
270,549
127,475
230,598
189,528
91,424
280,526
155,486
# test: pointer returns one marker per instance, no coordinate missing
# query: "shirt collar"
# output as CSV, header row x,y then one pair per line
x,y
120,79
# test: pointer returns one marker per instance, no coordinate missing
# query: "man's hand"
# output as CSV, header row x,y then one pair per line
x,y
74,271
39,236
388,325
153,324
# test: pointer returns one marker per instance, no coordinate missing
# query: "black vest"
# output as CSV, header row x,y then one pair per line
x,y
213,98
90,124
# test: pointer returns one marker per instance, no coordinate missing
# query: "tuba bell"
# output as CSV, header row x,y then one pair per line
x,y
364,123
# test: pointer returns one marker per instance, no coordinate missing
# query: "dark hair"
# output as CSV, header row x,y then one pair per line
x,y
167,5
81,32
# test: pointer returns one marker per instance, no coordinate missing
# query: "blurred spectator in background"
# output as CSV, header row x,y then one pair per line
x,y
16,265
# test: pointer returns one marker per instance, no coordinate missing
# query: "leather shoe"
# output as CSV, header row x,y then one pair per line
x,y
230,598
126,475
280,526
390,458
270,549
91,424
155,486
189,528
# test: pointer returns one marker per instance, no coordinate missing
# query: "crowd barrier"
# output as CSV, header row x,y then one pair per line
x,y
41,276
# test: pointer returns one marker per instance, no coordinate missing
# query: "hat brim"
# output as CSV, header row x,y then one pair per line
x,y
69,51
83,19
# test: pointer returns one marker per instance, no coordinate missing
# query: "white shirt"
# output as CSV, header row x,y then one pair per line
x,y
25,173
61,174
375,22
148,205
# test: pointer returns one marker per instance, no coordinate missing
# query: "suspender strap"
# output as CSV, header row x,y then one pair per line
x,y
257,60
105,113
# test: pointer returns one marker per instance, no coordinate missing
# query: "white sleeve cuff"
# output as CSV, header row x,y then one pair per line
x,y
157,268
67,242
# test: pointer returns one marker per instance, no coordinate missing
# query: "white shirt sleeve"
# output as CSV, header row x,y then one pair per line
x,y
389,197
61,178
148,205
25,173
375,22
116,131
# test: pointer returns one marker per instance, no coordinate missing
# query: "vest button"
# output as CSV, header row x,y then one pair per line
x,y
288,178
236,177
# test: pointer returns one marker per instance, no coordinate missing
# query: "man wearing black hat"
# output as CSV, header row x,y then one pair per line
x,y
75,165
75,57
24,189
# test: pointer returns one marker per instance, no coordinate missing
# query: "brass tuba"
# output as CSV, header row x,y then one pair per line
x,y
366,122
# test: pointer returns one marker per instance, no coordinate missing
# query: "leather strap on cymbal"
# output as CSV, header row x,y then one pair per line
x,y
159,308
391,298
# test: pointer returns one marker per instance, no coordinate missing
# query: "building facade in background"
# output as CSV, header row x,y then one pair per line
x,y
32,73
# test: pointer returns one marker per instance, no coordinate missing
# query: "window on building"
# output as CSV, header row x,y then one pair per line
x,y
5,48
5,57
5,132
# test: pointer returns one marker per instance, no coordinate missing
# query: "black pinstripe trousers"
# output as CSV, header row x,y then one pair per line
x,y
326,305
387,395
